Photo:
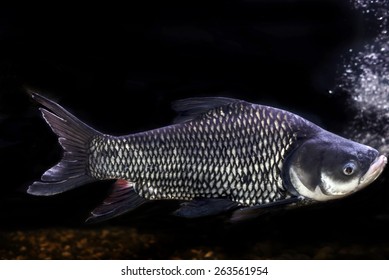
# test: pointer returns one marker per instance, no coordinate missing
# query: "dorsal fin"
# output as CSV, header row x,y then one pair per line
x,y
190,108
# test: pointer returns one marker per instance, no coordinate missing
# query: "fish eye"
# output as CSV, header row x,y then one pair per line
x,y
349,168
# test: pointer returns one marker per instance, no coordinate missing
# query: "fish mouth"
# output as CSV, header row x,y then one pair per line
x,y
374,171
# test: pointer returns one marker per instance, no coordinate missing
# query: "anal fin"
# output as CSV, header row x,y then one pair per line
x,y
122,199
204,207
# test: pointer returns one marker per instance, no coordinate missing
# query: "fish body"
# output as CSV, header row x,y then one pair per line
x,y
221,154
218,155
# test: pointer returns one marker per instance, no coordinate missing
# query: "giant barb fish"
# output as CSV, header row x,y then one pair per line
x,y
221,154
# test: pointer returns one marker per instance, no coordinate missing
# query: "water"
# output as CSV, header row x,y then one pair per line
x,y
365,78
147,60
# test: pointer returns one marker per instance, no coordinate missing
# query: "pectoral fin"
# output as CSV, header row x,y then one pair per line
x,y
246,213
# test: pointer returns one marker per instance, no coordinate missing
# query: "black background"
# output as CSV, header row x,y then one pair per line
x,y
119,68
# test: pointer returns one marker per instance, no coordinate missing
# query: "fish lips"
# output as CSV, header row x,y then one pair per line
x,y
375,170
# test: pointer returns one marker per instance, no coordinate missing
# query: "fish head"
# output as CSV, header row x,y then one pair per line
x,y
328,167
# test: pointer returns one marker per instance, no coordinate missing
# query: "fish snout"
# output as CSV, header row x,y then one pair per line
x,y
375,169
368,156
372,155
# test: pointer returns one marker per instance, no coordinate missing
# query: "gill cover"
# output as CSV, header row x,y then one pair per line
x,y
301,172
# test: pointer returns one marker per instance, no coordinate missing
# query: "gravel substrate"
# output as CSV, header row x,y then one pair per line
x,y
129,243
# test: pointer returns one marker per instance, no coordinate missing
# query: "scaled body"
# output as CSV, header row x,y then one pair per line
x,y
221,154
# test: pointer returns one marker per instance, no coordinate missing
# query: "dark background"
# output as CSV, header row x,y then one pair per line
x,y
119,68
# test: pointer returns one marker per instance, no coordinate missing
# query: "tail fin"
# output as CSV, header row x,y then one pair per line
x,y
74,137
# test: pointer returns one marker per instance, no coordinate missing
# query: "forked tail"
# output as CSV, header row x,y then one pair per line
x,y
74,137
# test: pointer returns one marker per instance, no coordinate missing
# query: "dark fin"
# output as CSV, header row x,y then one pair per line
x,y
204,207
246,213
190,108
74,137
122,199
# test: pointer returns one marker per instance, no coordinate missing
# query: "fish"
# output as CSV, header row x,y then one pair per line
x,y
220,155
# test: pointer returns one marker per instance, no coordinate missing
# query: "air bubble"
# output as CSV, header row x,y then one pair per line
x,y
366,79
